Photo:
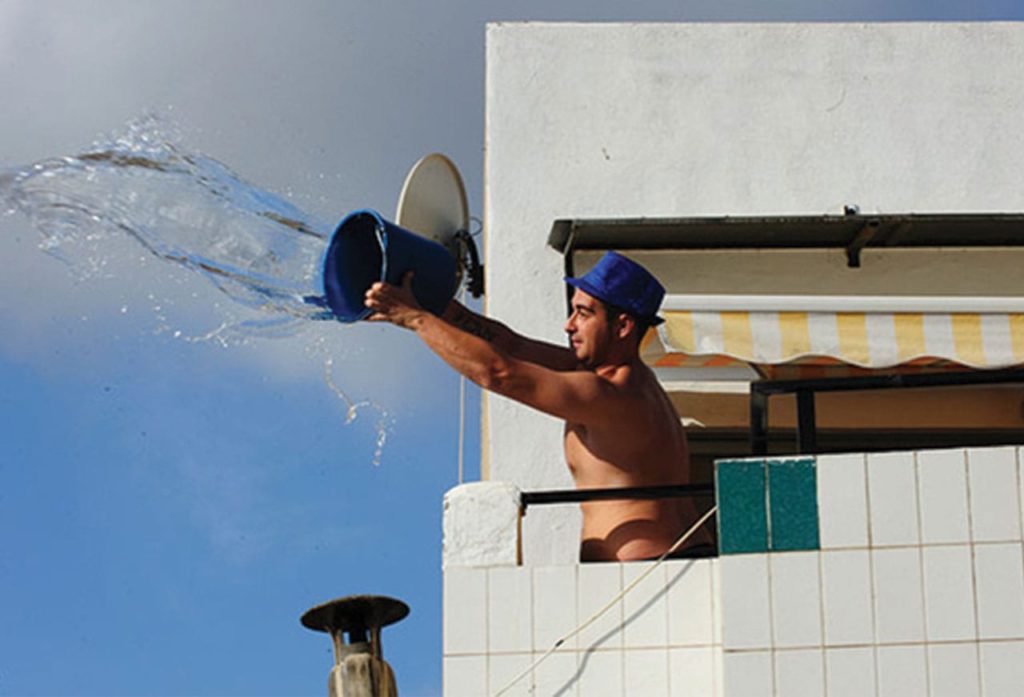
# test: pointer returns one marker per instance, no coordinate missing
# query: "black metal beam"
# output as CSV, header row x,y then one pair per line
x,y
793,231
532,498
569,267
758,422
806,430
883,382
862,239
805,390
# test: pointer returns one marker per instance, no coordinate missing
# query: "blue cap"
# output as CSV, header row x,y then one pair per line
x,y
623,283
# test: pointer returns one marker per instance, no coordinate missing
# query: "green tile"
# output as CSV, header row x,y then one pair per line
x,y
793,500
742,518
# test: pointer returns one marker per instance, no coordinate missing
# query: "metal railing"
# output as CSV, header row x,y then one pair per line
x,y
805,390
533,498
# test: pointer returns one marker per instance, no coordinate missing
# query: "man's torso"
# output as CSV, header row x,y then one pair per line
x,y
645,447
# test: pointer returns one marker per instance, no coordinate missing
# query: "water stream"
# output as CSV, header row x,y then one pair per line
x,y
186,209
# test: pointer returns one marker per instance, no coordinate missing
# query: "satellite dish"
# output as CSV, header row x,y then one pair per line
x,y
433,200
433,204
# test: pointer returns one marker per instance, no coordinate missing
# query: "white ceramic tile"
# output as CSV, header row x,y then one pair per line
x,y
796,599
953,670
1002,668
645,608
899,607
600,673
842,501
465,610
942,491
554,606
995,511
850,672
902,671
892,499
1000,588
846,590
504,668
557,675
1020,483
597,584
509,604
719,659
747,674
464,676
690,604
746,622
799,672
948,593
645,672
716,600
691,671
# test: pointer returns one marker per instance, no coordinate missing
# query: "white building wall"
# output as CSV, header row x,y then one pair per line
x,y
632,120
912,586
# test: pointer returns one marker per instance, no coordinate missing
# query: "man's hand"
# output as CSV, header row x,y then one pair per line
x,y
394,304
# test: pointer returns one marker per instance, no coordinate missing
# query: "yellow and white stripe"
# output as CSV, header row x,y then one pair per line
x,y
865,339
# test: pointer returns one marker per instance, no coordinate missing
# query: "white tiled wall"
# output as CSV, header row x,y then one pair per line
x,y
795,600
842,501
746,609
892,517
918,589
942,496
850,672
953,670
658,641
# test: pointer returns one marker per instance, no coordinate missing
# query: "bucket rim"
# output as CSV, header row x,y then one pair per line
x,y
380,228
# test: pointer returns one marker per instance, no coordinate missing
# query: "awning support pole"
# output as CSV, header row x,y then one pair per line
x,y
570,268
806,431
861,240
758,421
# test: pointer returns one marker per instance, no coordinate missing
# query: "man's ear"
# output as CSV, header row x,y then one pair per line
x,y
624,325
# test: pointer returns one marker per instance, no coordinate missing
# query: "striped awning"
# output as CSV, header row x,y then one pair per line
x,y
866,340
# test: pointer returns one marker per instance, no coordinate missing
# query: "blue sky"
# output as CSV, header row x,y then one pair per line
x,y
169,508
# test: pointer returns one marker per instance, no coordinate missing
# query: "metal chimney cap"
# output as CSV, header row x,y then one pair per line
x,y
354,612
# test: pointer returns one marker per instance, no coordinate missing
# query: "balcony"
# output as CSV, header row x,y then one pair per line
x,y
862,574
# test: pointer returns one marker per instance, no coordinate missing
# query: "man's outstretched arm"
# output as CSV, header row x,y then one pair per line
x,y
579,396
516,345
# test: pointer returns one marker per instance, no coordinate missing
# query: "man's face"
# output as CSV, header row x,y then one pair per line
x,y
588,329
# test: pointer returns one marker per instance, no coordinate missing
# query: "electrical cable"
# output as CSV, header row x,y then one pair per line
x,y
462,409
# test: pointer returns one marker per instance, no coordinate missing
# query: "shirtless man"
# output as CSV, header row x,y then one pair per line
x,y
620,427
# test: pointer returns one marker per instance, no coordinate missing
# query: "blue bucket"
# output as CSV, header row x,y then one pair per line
x,y
365,249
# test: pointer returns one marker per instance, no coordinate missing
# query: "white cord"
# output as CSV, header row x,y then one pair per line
x,y
462,424
593,618
462,407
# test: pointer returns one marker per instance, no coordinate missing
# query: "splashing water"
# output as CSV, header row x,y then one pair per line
x,y
192,211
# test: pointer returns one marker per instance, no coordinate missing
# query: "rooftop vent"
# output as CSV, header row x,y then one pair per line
x,y
354,623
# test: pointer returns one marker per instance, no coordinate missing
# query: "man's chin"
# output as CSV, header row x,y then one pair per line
x,y
585,361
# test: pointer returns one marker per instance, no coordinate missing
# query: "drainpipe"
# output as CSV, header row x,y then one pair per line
x,y
354,623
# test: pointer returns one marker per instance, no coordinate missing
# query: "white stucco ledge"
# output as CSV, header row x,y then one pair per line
x,y
481,525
